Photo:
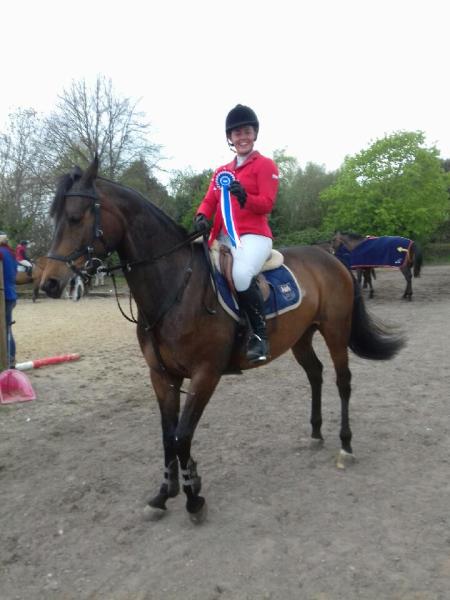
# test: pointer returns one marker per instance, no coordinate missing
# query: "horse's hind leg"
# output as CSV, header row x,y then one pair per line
x,y
339,355
168,395
307,358
406,272
361,278
369,281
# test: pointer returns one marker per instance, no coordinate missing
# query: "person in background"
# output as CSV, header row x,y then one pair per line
x,y
8,258
22,257
253,191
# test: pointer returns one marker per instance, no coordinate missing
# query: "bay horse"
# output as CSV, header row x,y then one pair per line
x,y
183,331
411,265
23,278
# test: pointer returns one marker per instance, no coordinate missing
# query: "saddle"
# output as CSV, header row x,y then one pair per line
x,y
223,261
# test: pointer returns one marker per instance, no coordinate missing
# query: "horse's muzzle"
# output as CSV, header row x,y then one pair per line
x,y
52,288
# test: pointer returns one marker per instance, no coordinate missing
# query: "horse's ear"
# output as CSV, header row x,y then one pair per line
x,y
91,173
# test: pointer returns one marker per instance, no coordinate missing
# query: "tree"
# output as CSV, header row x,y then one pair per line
x,y
298,213
395,187
288,168
87,122
138,176
25,184
188,189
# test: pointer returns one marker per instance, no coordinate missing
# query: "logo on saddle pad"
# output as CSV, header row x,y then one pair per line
x,y
287,292
284,293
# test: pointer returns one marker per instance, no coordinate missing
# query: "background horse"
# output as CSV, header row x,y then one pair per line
x,y
23,277
76,289
183,331
365,276
345,243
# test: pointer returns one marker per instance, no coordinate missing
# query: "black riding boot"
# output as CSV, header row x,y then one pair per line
x,y
252,303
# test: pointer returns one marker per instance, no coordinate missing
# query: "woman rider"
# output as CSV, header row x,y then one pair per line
x,y
252,192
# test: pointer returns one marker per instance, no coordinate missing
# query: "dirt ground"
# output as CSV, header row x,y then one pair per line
x,y
77,464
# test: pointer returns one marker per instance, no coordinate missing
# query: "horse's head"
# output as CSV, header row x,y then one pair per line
x,y
336,240
78,235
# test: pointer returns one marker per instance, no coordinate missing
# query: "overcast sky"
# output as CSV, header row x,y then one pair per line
x,y
325,77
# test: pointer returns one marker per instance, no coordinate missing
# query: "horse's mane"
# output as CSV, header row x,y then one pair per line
x,y
147,204
352,235
66,181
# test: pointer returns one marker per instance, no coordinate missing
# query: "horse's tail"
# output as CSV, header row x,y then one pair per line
x,y
417,258
369,338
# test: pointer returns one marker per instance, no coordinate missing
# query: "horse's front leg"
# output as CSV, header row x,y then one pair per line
x,y
200,391
167,391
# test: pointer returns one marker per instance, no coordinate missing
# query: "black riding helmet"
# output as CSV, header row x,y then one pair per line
x,y
239,116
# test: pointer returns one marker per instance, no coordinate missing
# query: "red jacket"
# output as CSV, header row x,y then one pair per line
x,y
259,176
21,252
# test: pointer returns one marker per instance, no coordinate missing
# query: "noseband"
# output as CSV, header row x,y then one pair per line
x,y
88,250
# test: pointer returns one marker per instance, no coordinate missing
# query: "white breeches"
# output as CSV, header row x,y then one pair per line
x,y
23,265
248,258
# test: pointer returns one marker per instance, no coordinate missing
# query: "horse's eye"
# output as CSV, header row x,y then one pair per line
x,y
74,219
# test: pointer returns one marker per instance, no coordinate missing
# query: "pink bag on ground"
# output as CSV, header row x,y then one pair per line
x,y
15,387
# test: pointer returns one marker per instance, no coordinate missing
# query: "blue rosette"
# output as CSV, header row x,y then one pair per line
x,y
223,181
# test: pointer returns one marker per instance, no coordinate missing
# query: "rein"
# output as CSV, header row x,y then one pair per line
x,y
126,266
165,306
88,251
97,235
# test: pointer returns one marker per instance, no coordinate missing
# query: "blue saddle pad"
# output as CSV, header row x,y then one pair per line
x,y
384,251
285,293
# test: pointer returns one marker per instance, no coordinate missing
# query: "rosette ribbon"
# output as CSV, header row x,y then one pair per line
x,y
223,180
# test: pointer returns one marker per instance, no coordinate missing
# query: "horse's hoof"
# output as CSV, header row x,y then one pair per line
x,y
316,443
344,459
197,509
152,513
199,517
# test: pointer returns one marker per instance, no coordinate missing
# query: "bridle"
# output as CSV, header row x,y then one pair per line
x,y
88,250
97,235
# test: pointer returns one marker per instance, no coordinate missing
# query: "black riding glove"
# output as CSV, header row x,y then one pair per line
x,y
237,190
201,224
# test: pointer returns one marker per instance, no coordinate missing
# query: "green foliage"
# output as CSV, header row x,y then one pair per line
x,y
138,176
298,205
303,237
188,189
395,187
